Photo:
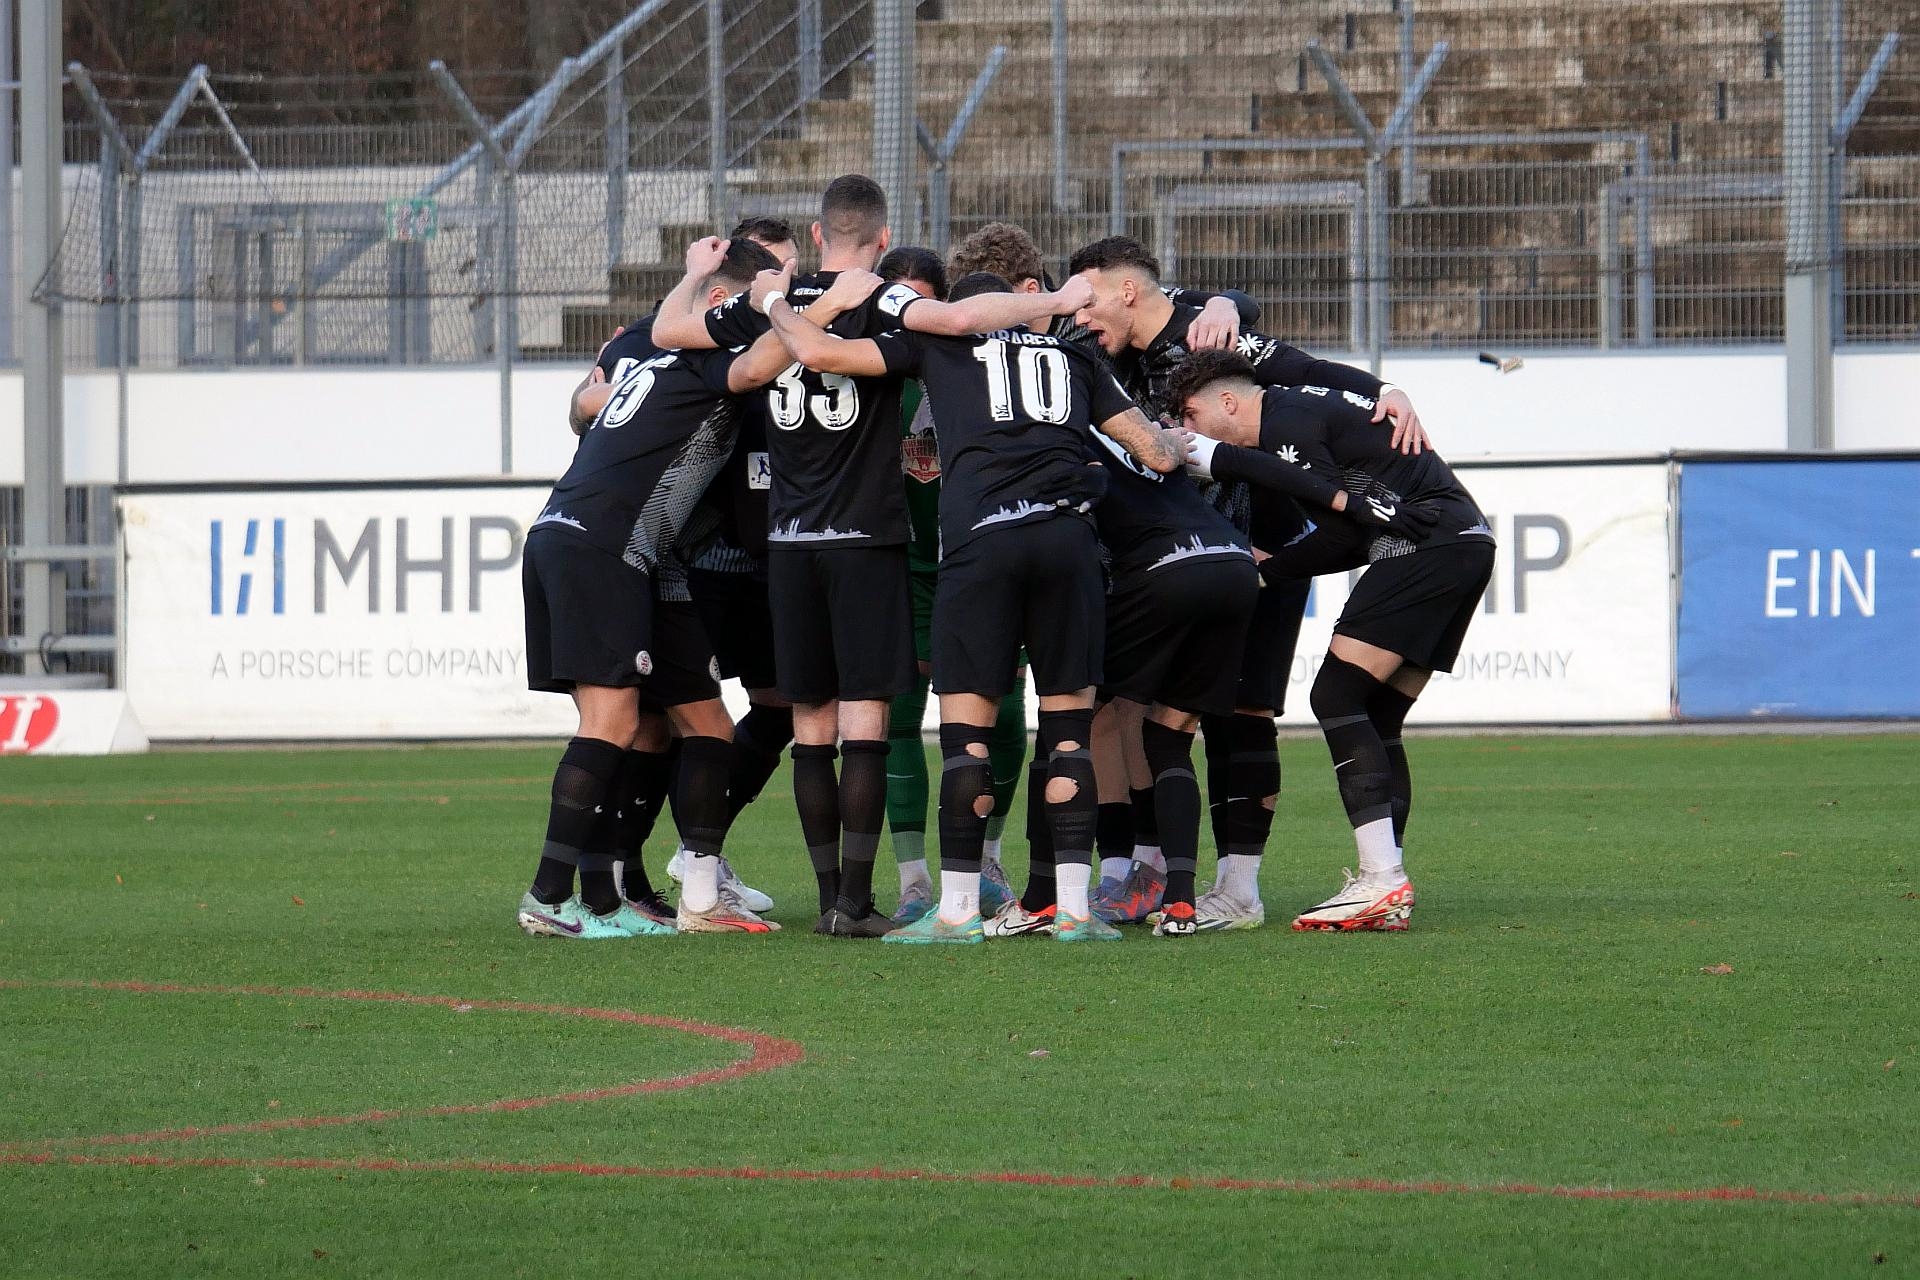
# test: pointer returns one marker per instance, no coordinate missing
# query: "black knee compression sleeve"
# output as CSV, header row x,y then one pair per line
x,y
1340,695
1064,738
966,777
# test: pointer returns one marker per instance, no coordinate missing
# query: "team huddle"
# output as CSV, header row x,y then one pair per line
x,y
842,487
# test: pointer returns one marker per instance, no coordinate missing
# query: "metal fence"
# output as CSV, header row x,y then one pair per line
x,y
1378,173
1596,174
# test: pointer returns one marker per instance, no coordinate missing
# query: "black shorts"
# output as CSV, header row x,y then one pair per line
x,y
1419,605
1175,636
733,607
1266,663
592,619
842,628
1037,584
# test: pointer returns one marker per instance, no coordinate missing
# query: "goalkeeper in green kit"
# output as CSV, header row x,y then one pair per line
x,y
907,785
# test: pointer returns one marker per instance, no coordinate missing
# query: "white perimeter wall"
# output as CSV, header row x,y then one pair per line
x,y
385,424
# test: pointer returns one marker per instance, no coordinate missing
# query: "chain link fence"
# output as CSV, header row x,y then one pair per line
x,y
1408,173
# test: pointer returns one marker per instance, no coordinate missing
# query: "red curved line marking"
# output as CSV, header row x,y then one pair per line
x,y
1299,1186
765,1053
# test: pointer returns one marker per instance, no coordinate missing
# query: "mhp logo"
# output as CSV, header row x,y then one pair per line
x,y
26,722
246,556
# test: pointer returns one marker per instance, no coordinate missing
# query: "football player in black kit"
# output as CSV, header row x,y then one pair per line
x,y
1005,250
837,567
1430,556
598,629
1014,412
1147,334
727,582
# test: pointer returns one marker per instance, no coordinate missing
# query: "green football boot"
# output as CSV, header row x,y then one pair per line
x,y
1087,928
931,928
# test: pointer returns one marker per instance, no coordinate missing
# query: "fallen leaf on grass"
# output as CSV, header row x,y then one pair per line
x,y
463,1008
298,901
118,880
1889,1064
273,1104
1734,1123
1038,1053
1788,853
149,817
1718,970
319,1254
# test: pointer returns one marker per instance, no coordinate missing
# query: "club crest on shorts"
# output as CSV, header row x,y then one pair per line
x,y
713,669
920,458
643,663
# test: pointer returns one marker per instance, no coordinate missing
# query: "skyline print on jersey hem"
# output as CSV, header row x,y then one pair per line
x,y
1196,547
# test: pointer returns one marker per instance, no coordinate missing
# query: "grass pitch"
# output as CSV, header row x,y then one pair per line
x,y
1670,965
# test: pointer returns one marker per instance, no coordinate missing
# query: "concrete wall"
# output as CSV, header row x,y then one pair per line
x,y
386,424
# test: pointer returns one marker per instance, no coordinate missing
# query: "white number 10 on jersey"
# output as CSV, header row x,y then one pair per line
x,y
1045,391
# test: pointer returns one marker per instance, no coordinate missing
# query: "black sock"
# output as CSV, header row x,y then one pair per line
x,y
581,783
1113,831
1064,738
1250,785
762,734
1146,819
1041,886
700,795
816,793
1340,695
638,794
1217,735
863,812
1176,797
964,778
1388,710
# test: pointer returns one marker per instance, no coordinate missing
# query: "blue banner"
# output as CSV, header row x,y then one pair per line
x,y
1799,589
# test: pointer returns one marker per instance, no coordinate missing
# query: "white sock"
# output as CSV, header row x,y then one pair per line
x,y
1151,855
1240,876
701,888
1379,856
1114,868
1070,888
914,873
959,896
990,851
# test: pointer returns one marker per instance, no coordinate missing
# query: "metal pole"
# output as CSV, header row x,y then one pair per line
x,y
894,99
1807,149
507,339
1643,330
1846,115
6,184
1377,260
43,502
807,36
1409,155
1061,190
1117,192
1609,256
1356,273
716,118
106,323
617,144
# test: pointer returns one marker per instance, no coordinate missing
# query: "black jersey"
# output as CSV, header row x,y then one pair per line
x,y
1149,520
1315,441
633,347
1012,413
648,457
833,441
